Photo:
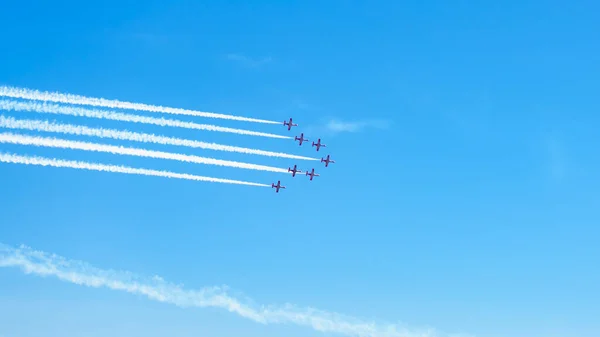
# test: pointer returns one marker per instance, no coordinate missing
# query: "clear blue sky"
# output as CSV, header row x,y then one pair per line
x,y
464,196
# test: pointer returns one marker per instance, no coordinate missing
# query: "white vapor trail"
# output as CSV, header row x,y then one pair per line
x,y
45,126
10,105
41,161
80,273
23,93
120,150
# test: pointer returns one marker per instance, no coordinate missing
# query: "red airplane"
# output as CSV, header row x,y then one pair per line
x,y
294,171
301,139
312,174
278,186
289,124
318,144
327,161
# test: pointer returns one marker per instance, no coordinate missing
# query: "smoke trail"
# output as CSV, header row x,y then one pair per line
x,y
77,272
45,126
118,116
77,145
37,95
41,161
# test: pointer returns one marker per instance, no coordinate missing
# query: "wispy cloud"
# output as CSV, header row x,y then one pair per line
x,y
155,288
150,39
556,159
356,126
329,126
557,162
248,61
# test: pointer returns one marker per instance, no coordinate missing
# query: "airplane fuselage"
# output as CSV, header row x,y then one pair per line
x,y
277,187
318,144
289,124
301,139
294,170
327,161
312,174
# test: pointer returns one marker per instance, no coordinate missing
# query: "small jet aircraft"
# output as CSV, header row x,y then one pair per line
x,y
294,171
312,174
289,124
318,144
301,139
278,186
327,161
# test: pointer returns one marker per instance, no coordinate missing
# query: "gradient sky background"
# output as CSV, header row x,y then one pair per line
x,y
464,197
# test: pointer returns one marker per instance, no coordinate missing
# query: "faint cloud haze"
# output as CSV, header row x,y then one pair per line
x,y
155,288
248,61
150,38
355,126
557,161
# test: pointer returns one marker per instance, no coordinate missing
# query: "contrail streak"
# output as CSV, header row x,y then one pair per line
x,y
120,150
37,95
41,161
45,126
80,273
118,116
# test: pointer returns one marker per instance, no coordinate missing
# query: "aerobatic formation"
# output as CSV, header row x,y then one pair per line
x,y
301,139
21,102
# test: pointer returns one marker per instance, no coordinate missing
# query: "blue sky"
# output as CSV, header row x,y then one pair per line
x,y
463,197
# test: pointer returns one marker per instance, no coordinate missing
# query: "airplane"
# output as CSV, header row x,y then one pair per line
x,y
318,144
327,161
312,174
301,139
294,171
289,124
278,186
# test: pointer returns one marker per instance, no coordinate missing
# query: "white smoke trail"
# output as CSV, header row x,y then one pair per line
x,y
120,150
45,126
41,161
23,93
80,273
10,105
